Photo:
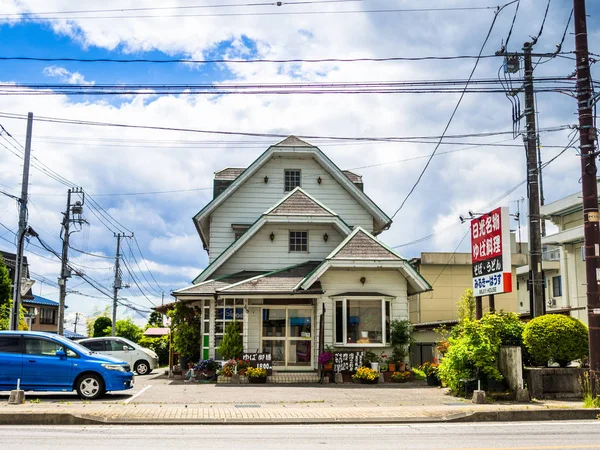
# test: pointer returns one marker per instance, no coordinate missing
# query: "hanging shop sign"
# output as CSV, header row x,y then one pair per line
x,y
490,253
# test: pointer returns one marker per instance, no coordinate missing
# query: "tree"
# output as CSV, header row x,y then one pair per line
x,y
5,283
155,319
101,325
127,329
186,323
232,345
5,317
466,306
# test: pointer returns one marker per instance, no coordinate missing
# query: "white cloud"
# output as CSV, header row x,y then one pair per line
x,y
65,76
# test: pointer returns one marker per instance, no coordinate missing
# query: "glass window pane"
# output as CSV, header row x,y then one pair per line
x,y
339,322
41,347
219,314
219,302
219,328
300,352
277,349
9,344
300,323
228,313
273,322
218,340
239,301
206,313
206,327
387,322
239,314
364,322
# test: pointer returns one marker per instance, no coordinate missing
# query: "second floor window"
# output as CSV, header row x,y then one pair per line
x,y
556,287
48,316
292,179
298,241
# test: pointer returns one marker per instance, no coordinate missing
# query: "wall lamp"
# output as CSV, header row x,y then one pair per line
x,y
266,179
363,280
319,180
325,237
272,236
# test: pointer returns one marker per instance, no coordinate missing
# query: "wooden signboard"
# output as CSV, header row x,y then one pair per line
x,y
260,361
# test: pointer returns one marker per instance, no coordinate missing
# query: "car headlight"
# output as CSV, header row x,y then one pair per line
x,y
118,367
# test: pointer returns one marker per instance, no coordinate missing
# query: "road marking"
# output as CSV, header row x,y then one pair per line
x,y
138,394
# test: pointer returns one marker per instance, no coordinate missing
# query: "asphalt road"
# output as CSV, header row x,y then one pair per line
x,y
522,435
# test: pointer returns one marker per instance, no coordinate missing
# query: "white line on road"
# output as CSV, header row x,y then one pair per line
x,y
138,394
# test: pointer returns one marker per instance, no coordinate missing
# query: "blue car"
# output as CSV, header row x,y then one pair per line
x,y
49,362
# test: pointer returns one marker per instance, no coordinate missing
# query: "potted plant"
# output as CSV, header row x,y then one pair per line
x,y
229,368
401,337
232,345
401,377
242,366
391,363
430,369
256,375
207,366
326,360
365,375
371,359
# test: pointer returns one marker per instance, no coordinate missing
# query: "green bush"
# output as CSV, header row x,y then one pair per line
x,y
232,345
471,354
160,346
507,327
555,337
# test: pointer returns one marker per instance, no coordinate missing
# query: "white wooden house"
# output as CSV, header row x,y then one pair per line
x,y
289,238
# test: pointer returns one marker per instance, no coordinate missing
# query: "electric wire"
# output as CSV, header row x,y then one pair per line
x,y
450,119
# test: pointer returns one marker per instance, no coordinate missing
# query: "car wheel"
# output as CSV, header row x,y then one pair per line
x,y
142,368
90,387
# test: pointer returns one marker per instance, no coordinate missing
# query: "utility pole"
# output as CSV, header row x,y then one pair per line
x,y
536,281
65,272
76,321
591,232
16,304
118,284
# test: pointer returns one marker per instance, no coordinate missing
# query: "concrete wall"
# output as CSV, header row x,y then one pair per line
x,y
554,383
510,364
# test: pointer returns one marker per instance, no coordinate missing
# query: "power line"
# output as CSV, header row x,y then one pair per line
x,y
267,13
266,135
146,264
451,117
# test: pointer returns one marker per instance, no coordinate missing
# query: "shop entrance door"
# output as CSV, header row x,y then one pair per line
x,y
287,333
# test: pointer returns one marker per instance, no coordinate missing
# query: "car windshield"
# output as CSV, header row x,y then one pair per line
x,y
73,345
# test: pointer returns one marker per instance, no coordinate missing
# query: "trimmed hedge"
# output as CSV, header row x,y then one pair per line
x,y
555,337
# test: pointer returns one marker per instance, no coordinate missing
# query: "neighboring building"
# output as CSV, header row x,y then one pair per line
x,y
42,314
289,238
570,280
450,274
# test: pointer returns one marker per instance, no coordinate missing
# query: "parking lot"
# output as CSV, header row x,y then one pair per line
x,y
157,388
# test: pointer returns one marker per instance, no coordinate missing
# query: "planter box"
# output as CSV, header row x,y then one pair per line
x,y
257,380
554,382
375,381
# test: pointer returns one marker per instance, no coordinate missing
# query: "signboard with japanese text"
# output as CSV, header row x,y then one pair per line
x,y
347,361
490,253
259,360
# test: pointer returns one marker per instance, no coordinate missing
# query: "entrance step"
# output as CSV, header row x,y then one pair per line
x,y
279,378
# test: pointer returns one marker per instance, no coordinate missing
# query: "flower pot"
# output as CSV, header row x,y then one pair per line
x,y
257,380
365,381
242,372
328,366
401,367
375,366
432,380
392,367
364,334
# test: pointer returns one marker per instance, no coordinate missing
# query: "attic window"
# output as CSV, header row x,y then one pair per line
x,y
298,241
292,179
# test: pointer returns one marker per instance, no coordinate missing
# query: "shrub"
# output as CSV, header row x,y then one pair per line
x,y
555,337
232,345
506,326
160,346
471,353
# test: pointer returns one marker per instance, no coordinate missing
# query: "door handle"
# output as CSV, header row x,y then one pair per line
x,y
32,360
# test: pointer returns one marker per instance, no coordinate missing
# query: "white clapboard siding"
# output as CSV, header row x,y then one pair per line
x,y
260,253
255,197
338,281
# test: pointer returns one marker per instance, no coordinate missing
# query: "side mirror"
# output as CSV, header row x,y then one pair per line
x,y
61,353
125,348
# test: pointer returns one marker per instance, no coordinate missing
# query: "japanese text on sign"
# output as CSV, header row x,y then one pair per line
x,y
347,361
259,360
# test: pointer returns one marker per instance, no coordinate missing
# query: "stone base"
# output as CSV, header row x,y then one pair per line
x,y
325,380
17,397
381,379
522,395
479,397
235,378
339,378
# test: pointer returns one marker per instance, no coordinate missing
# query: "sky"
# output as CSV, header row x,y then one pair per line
x,y
152,182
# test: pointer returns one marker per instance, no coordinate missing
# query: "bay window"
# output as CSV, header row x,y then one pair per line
x,y
362,321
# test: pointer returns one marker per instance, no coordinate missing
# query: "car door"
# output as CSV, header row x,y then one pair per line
x,y
120,350
94,346
11,362
43,368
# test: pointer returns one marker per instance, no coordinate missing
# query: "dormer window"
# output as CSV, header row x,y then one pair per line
x,y
292,179
298,241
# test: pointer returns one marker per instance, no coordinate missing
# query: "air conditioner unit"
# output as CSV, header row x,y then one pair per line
x,y
551,302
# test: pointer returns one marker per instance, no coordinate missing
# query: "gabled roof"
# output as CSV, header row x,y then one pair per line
x,y
299,202
209,287
363,245
229,173
277,281
294,201
291,145
362,249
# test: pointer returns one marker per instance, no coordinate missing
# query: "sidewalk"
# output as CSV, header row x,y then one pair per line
x,y
159,400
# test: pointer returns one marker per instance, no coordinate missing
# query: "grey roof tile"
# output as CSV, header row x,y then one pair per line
x,y
229,173
210,287
299,204
354,177
362,246
293,141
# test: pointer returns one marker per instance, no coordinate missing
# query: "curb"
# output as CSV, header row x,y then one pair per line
x,y
473,416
